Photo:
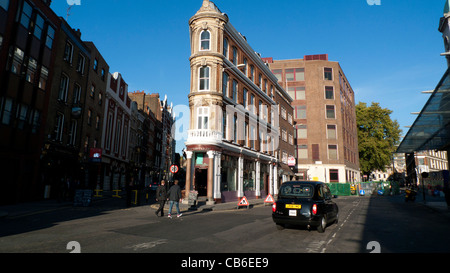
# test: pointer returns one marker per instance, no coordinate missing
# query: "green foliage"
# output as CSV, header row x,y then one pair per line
x,y
378,135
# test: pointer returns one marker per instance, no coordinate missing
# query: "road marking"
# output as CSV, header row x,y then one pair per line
x,y
355,205
148,245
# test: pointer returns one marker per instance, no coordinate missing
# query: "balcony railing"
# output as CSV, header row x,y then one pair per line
x,y
201,136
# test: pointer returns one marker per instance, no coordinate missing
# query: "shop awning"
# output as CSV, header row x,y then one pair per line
x,y
431,130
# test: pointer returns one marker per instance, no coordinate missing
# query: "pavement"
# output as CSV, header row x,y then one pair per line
x,y
436,204
31,208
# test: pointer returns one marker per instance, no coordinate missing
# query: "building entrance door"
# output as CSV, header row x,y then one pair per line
x,y
201,181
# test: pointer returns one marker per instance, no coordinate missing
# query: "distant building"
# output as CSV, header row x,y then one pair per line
x,y
161,135
325,120
116,133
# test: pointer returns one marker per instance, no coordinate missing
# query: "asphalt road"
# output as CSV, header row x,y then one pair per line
x,y
387,223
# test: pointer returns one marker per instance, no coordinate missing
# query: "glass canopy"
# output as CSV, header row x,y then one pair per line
x,y
431,130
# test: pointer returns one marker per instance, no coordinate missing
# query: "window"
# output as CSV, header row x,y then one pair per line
x,y
21,115
296,74
4,4
283,113
95,65
328,74
39,26
103,74
31,70
73,132
297,93
205,37
235,126
245,66
252,136
315,152
50,37
63,88
284,135
224,125
43,78
7,111
225,47
202,118
331,131
235,89
225,85
260,82
25,18
334,175
89,117
332,152
34,121
97,122
204,78
1,41
76,94
235,55
302,132
81,62
302,152
245,101
300,112
330,112
17,61
68,51
252,73
329,92
59,126
92,93
252,104
279,74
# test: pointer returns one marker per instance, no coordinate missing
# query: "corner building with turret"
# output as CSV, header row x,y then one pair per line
x,y
238,141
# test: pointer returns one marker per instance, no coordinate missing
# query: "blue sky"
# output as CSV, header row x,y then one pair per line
x,y
389,52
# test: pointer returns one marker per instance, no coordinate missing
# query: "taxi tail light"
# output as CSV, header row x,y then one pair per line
x,y
274,207
314,209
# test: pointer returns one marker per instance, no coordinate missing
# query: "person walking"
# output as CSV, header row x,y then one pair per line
x,y
161,197
174,194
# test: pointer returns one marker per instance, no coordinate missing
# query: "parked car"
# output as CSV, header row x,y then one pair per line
x,y
305,203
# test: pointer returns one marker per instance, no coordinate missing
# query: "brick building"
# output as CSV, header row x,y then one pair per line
x,y
325,118
61,168
28,31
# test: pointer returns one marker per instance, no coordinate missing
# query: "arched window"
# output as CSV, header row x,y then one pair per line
x,y
205,38
204,78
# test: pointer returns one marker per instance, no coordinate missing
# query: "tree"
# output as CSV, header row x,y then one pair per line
x,y
378,135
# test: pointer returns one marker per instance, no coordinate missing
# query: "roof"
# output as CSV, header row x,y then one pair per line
x,y
431,130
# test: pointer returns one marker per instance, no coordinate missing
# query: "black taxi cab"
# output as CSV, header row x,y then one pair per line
x,y
305,203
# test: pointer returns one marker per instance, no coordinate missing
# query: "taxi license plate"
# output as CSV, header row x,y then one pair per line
x,y
293,206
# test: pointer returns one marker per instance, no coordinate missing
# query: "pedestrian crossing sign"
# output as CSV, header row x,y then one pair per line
x,y
269,199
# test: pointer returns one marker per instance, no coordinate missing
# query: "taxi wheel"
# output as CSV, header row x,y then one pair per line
x,y
323,225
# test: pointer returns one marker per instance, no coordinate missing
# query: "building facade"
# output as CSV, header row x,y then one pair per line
x,y
116,134
28,31
325,118
233,141
61,163
93,117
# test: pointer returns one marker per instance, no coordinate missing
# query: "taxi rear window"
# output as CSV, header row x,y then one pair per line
x,y
297,190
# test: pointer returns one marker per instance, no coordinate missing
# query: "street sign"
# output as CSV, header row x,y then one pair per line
x,y
269,199
243,202
174,169
291,161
